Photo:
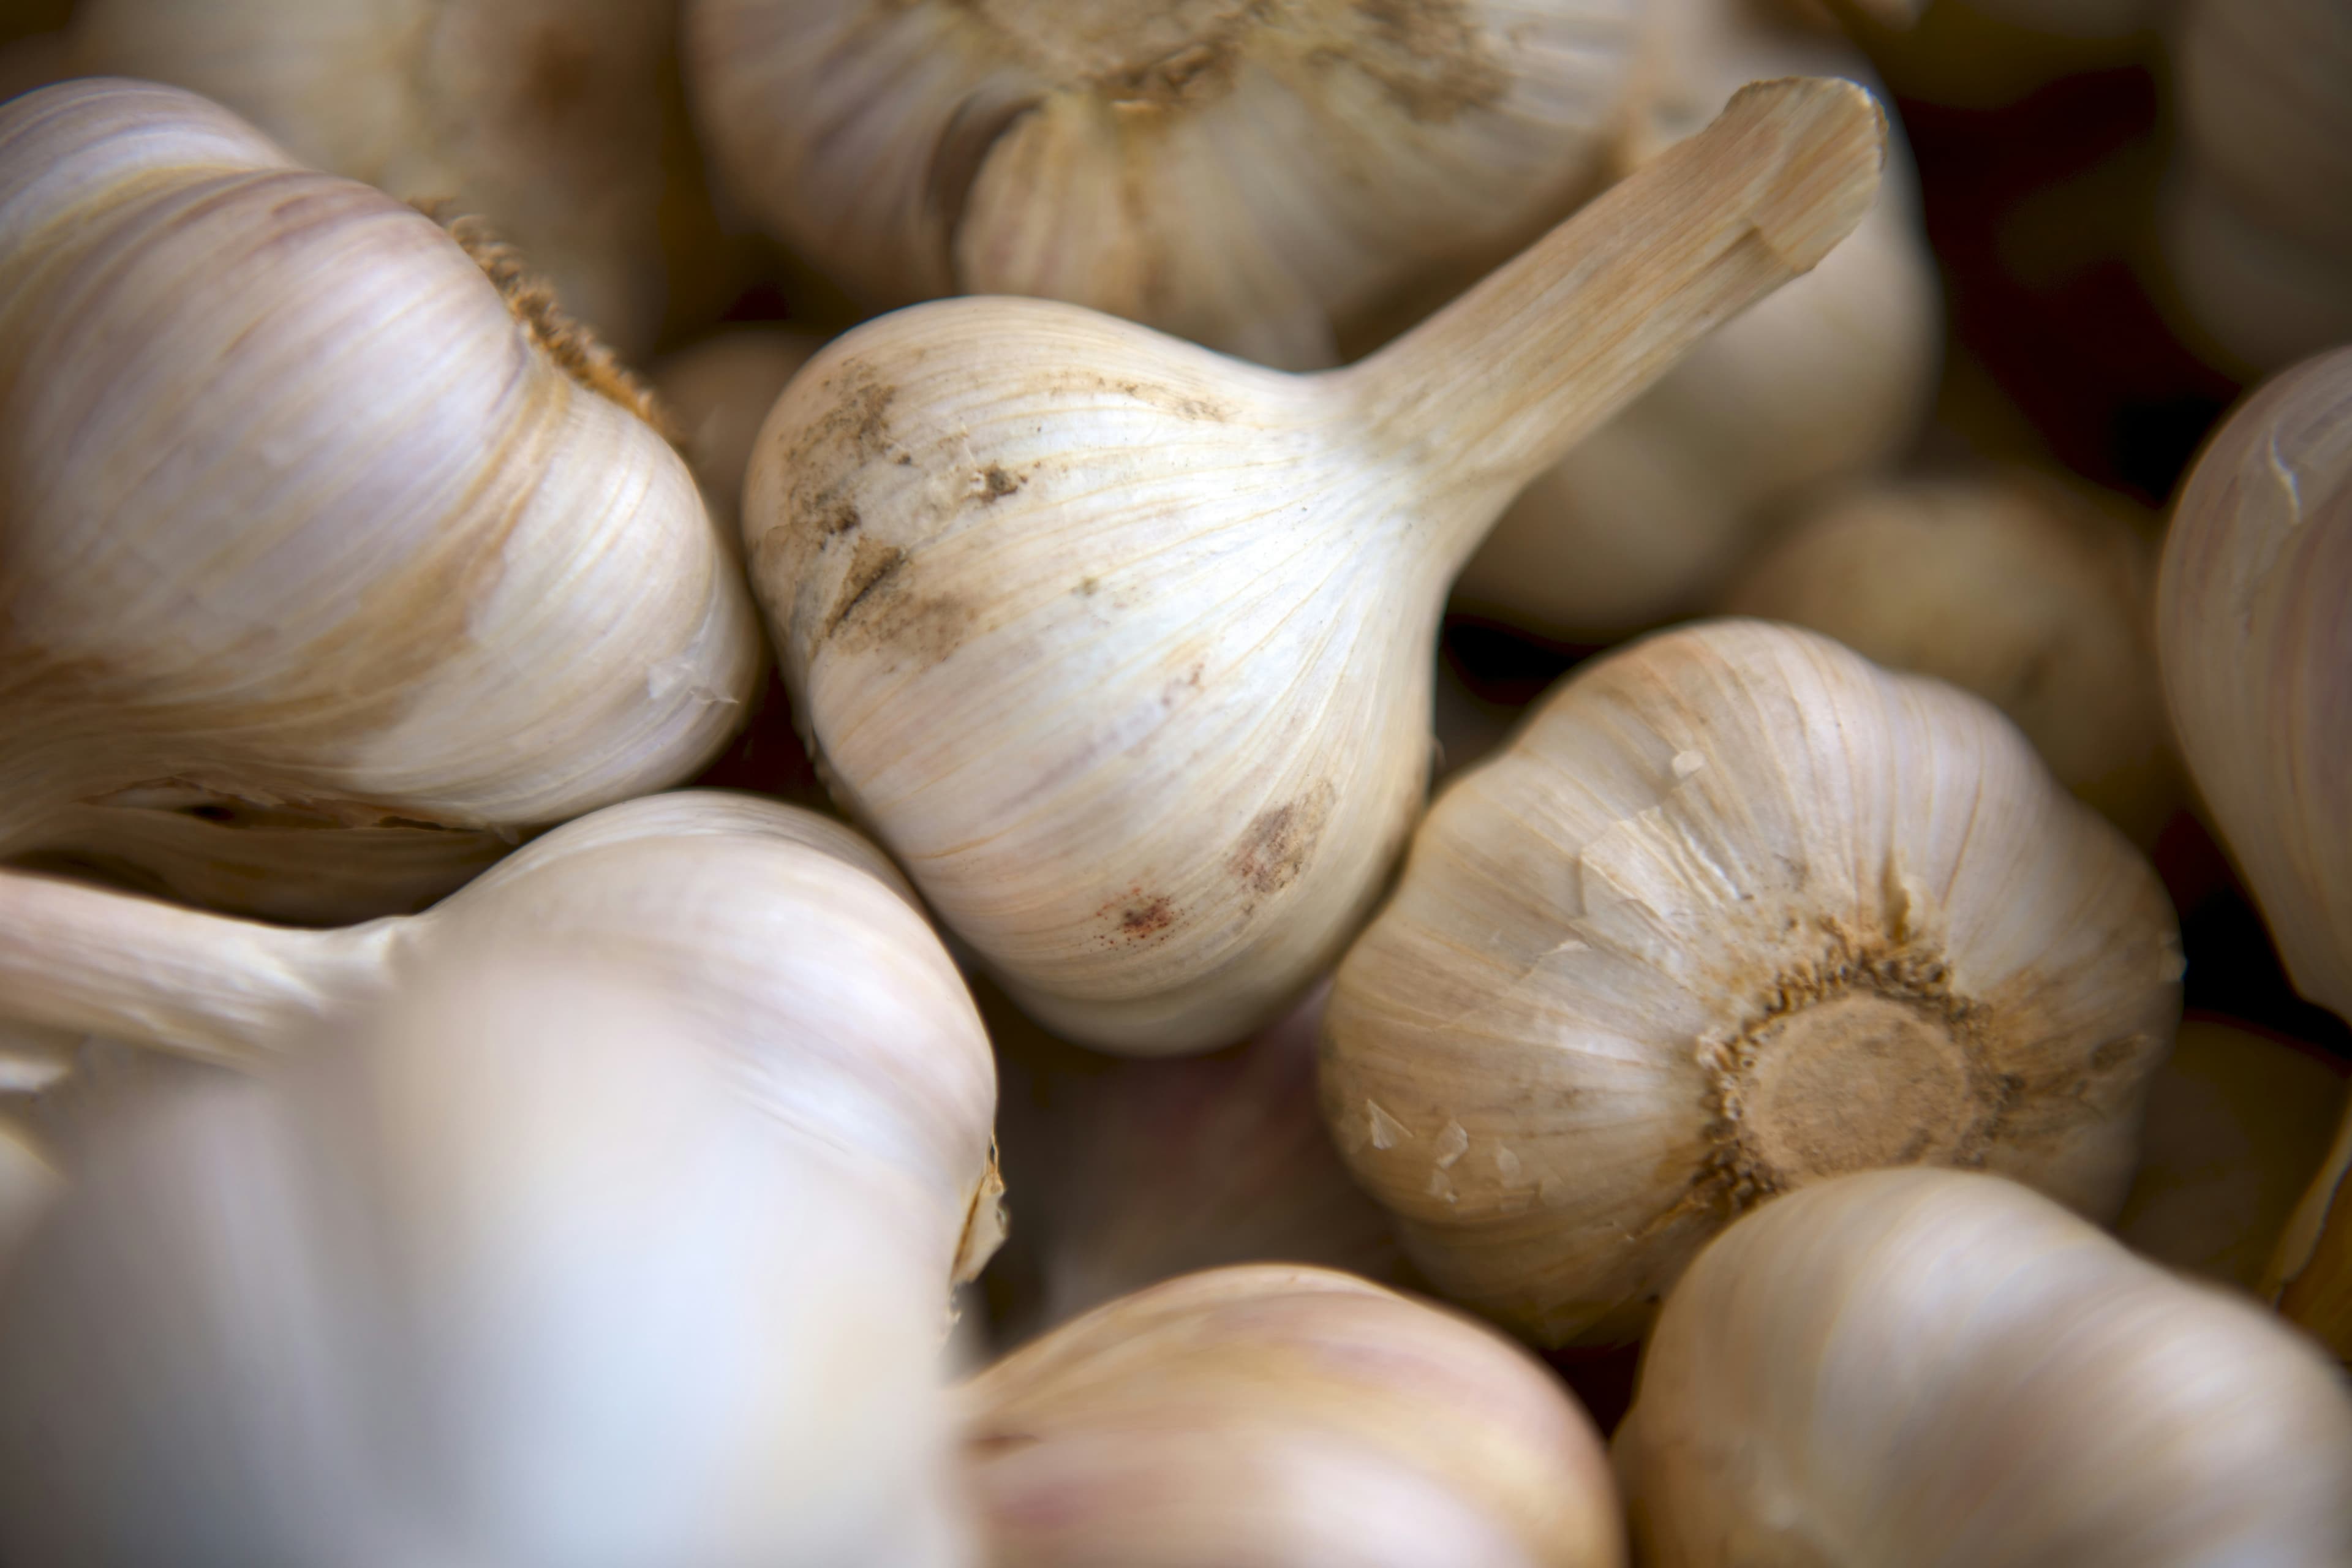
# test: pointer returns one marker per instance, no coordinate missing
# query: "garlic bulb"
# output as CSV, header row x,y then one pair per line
x,y
544,116
1243,174
510,1276
1131,1173
1736,911
1124,649
2259,230
2236,1124
330,528
2257,657
2007,584
1832,376
849,1021
1274,1417
1940,1369
717,394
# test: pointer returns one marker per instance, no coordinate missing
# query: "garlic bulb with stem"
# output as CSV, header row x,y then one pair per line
x,y
1124,649
2236,1123
509,1274
2007,584
1274,1417
1247,175
1830,377
717,393
304,514
559,120
1735,911
848,1022
1943,1369
2256,651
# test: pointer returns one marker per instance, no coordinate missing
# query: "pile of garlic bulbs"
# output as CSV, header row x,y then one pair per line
x,y
637,930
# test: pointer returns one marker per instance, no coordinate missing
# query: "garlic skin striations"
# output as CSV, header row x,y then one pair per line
x,y
1267,1417
1944,1370
717,394
506,1271
1832,376
1245,175
846,1018
306,522
1735,911
2010,585
2257,657
1125,648
546,117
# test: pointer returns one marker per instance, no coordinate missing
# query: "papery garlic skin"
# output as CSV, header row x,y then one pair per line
x,y
303,514
804,951
544,116
1943,1369
1272,1416
717,393
1830,378
1735,911
1123,648
1243,176
511,1274
2008,585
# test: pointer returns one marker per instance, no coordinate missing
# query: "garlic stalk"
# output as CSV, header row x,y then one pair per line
x,y
1274,1416
848,1020
556,120
1946,1371
1735,911
717,393
1247,175
512,1274
1131,1173
2257,657
1830,377
2236,1124
330,526
2008,585
1124,649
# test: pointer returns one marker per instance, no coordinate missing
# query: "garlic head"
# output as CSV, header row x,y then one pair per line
x,y
718,393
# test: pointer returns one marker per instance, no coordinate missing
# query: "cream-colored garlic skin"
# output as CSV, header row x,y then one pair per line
x,y
1830,378
2258,226
544,116
847,1021
1244,175
1735,911
717,394
1273,1416
1124,649
302,515
2236,1123
2008,585
506,1272
1944,1370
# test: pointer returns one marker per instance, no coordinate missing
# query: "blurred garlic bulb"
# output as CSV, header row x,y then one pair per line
x,y
2259,222
718,393
1245,175
302,515
1947,1371
2257,655
2007,584
29,1185
1125,648
846,1018
545,117
1131,1173
510,1276
1832,376
1735,911
1275,1416
2236,1124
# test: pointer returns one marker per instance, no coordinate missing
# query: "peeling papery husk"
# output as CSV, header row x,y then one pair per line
x,y
1735,911
1944,1370
1281,1416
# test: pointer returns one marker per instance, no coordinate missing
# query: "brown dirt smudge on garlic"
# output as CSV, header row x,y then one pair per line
x,y
1280,841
